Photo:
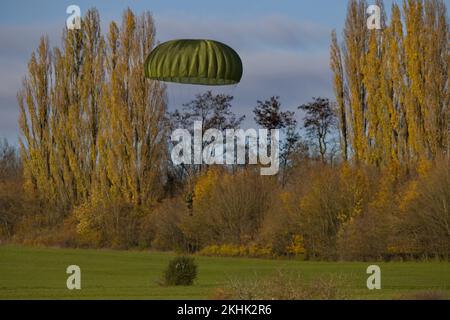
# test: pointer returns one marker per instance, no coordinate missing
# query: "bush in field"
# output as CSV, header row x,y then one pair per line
x,y
181,271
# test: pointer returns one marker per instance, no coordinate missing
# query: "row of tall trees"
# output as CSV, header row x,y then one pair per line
x,y
94,150
391,85
91,123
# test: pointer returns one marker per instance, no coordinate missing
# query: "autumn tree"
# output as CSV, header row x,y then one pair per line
x,y
426,58
391,85
340,93
91,122
35,110
355,46
79,75
132,141
392,88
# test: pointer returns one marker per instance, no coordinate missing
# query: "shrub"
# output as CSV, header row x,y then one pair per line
x,y
230,210
296,247
367,236
320,214
426,218
108,224
181,271
167,223
335,196
280,230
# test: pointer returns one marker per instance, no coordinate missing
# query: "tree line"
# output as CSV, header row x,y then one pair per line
x,y
94,167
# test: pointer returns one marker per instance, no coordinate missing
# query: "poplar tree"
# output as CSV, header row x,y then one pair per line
x,y
391,85
340,93
34,123
393,90
91,123
355,47
133,131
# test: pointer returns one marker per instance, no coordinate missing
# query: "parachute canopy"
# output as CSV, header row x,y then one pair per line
x,y
205,62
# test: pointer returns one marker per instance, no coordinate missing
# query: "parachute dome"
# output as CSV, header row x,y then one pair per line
x,y
205,62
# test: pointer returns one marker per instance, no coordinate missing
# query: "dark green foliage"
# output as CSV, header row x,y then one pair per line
x,y
181,271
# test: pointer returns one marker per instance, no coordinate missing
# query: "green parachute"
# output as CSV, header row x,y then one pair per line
x,y
189,61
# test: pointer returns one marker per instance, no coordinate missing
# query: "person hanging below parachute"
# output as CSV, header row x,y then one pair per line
x,y
194,61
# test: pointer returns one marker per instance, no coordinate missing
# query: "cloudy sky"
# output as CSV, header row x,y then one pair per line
x,y
283,44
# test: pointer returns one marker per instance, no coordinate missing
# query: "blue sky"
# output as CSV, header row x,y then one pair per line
x,y
284,44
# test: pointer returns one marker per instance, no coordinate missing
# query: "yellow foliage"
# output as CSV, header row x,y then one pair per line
x,y
411,193
355,185
424,167
205,183
229,250
88,224
297,246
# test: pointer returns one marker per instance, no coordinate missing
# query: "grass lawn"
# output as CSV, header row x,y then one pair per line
x,y
40,273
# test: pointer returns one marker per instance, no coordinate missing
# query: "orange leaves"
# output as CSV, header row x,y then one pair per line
x,y
204,184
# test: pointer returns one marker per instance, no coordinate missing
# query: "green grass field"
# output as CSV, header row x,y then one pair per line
x,y
40,273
